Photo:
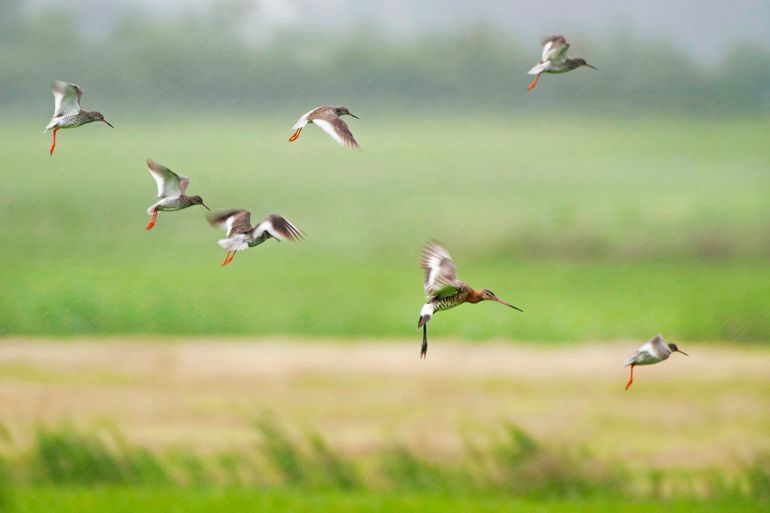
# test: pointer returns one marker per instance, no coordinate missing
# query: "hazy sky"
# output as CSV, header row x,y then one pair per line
x,y
705,27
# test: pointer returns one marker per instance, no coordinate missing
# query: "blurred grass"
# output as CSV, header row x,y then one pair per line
x,y
98,471
513,464
117,500
598,228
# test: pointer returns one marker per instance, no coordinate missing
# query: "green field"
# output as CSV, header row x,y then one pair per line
x,y
597,228
153,500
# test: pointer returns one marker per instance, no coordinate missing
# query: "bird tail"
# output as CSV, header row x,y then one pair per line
x,y
537,69
425,315
233,244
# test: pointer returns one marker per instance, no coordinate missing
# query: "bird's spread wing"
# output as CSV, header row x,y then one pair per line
x,y
169,183
440,271
66,98
333,125
554,49
234,221
278,227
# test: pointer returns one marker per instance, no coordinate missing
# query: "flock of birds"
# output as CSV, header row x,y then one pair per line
x,y
443,290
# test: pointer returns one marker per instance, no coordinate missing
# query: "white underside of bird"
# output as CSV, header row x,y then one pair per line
x,y
426,314
547,67
166,204
653,351
57,121
236,243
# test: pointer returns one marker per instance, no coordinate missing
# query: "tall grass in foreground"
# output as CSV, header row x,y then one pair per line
x,y
514,464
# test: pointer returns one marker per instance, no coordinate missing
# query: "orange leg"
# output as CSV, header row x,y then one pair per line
x,y
228,258
534,82
295,135
53,145
630,377
152,221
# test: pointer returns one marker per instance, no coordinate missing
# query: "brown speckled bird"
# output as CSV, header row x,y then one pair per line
x,y
443,290
328,118
67,111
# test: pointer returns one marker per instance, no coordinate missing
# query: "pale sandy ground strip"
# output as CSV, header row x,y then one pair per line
x,y
712,408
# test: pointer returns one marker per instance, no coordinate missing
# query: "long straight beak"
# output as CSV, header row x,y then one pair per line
x,y
508,304
680,351
104,120
592,67
204,206
353,115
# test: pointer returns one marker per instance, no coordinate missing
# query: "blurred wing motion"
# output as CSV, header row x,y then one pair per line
x,y
66,98
234,221
169,183
554,49
440,271
333,125
278,227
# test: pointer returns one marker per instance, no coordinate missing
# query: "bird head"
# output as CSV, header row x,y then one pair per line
x,y
341,111
98,116
197,200
675,349
582,62
488,295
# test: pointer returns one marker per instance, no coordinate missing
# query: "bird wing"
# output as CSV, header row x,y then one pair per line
x,y
632,359
234,221
302,121
645,354
169,183
66,98
440,271
333,125
554,49
278,227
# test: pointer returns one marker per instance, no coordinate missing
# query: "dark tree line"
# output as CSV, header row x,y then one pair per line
x,y
201,63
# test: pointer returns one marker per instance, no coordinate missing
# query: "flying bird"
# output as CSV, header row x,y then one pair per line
x,y
241,235
171,191
555,60
67,111
654,350
443,290
328,118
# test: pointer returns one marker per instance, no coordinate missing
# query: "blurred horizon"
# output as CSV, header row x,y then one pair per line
x,y
260,56
706,34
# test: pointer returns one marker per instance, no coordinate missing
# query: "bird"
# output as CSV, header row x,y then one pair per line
x,y
67,111
555,60
241,235
171,191
654,350
443,290
328,117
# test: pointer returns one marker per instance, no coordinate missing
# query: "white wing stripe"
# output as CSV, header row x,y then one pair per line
x,y
329,129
